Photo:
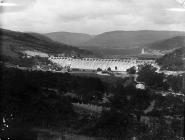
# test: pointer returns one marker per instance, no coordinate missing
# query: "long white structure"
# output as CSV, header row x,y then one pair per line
x,y
95,63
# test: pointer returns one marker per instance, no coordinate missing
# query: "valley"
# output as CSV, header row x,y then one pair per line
x,y
62,92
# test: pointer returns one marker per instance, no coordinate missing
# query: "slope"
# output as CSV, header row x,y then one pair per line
x,y
129,39
69,38
13,43
168,44
173,61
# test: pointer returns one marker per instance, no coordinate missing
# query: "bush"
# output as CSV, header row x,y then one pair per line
x,y
109,69
98,69
131,70
148,75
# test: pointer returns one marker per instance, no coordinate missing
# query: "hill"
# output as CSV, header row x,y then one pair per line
x,y
13,43
168,44
69,38
129,39
173,61
118,43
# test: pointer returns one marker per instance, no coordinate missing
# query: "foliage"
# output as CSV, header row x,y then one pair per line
x,y
109,69
39,95
175,82
38,99
120,120
131,70
173,61
28,102
98,69
150,77
147,74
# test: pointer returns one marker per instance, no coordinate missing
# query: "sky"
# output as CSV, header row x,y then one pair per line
x,y
91,16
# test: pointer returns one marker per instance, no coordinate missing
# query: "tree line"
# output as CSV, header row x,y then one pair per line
x,y
36,99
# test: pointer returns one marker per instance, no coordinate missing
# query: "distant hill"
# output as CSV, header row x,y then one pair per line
x,y
129,39
118,43
40,36
12,43
69,38
168,44
174,60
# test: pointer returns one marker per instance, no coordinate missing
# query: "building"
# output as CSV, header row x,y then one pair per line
x,y
142,51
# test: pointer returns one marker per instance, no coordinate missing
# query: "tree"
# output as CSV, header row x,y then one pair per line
x,y
24,97
99,69
173,60
175,82
120,120
131,70
109,69
147,74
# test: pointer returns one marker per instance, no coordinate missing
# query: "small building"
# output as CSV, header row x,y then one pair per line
x,y
140,86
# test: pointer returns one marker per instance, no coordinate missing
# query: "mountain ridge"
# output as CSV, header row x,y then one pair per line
x,y
13,43
168,44
69,37
118,39
128,39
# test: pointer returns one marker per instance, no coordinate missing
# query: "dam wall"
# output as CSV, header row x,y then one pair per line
x,y
95,63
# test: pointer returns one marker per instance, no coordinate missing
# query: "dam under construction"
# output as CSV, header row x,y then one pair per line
x,y
95,63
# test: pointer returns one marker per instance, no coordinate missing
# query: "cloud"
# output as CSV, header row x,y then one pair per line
x,y
176,9
7,4
181,2
93,16
15,5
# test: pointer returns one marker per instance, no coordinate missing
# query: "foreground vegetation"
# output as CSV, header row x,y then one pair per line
x,y
173,61
36,99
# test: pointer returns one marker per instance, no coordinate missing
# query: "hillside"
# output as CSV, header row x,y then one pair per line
x,y
119,43
173,61
13,43
129,39
168,44
69,38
